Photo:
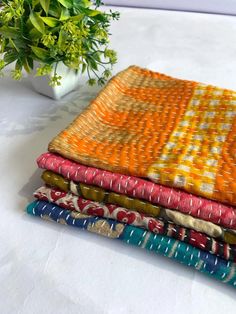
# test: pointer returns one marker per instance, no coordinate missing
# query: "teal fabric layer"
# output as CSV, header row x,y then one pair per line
x,y
186,254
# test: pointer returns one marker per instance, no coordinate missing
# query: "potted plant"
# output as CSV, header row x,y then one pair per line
x,y
56,41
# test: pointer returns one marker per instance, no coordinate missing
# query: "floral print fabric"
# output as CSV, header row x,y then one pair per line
x,y
100,195
157,226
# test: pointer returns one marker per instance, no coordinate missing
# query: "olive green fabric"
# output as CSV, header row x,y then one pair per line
x,y
56,180
97,194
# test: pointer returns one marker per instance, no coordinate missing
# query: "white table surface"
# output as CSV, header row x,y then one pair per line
x,y
49,268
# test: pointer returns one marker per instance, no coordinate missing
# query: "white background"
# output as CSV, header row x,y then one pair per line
x,y
216,6
48,268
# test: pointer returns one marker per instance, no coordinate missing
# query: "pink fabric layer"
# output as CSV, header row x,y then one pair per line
x,y
142,189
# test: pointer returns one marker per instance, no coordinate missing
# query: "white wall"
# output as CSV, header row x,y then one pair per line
x,y
214,6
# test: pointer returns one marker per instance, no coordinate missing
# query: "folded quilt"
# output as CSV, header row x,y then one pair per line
x,y
138,188
100,195
175,132
210,264
157,226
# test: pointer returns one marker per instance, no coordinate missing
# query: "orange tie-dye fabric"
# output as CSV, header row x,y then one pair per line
x,y
176,132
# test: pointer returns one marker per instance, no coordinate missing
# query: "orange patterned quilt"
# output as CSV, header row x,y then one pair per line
x,y
175,132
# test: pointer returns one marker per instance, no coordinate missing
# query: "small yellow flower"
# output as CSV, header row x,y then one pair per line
x,y
16,74
55,80
54,51
111,55
71,48
107,74
44,69
91,81
48,39
73,63
101,34
71,28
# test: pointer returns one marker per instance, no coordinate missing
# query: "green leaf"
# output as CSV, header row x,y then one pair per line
x,y
34,3
66,3
50,21
86,3
82,3
28,64
34,34
54,11
88,11
62,38
93,12
37,22
13,45
18,65
77,18
96,56
84,67
92,63
65,14
45,5
10,56
20,43
8,31
41,53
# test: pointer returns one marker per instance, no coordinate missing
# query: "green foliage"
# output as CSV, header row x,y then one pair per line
x,y
74,32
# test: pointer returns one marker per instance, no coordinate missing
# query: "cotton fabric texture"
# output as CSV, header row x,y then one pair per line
x,y
157,226
186,254
100,195
135,187
175,132
152,162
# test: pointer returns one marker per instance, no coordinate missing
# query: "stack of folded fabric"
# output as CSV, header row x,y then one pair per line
x,y
151,162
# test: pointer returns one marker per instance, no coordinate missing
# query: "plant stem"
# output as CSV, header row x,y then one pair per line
x,y
95,74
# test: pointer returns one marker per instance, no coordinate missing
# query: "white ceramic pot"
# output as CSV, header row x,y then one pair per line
x,y
69,82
